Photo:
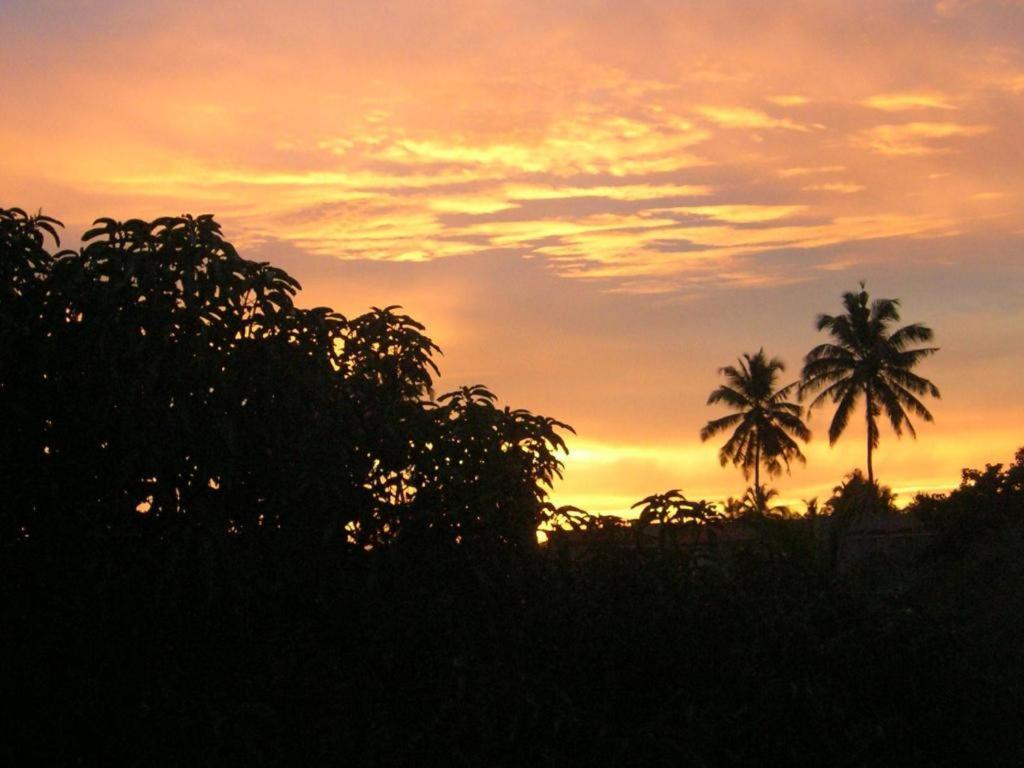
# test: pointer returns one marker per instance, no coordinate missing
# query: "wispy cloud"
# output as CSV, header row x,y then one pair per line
x,y
842,187
789,100
787,172
916,139
617,192
746,117
897,102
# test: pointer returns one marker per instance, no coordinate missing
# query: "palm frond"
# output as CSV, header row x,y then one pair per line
x,y
914,383
836,390
842,416
910,357
885,311
715,426
913,333
893,409
729,396
909,399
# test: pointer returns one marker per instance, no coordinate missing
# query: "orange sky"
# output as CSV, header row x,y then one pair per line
x,y
592,204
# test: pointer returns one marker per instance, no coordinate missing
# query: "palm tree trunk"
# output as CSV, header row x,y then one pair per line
x,y
757,470
870,424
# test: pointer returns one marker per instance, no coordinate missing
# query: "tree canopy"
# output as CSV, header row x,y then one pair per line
x,y
163,381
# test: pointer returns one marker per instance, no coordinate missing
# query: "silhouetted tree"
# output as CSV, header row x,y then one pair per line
x,y
179,384
483,471
165,383
567,517
866,358
757,501
671,510
25,265
853,501
988,503
732,508
857,496
765,422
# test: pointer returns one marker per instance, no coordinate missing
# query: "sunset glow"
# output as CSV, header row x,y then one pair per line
x,y
592,205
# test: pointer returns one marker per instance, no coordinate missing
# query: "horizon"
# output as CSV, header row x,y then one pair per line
x,y
591,231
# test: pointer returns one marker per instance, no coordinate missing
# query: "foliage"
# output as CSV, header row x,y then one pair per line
x,y
167,384
485,471
569,518
867,359
856,497
758,501
671,511
673,507
987,505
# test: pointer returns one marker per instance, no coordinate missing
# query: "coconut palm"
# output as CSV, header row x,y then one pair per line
x,y
811,507
758,502
866,357
765,423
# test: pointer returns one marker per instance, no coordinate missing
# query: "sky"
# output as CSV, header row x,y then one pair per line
x,y
593,205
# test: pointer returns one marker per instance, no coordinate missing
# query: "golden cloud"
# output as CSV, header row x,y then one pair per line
x,y
788,172
846,188
896,102
746,117
791,100
916,139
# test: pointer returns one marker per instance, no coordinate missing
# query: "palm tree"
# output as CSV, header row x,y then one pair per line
x,y
765,423
866,358
758,503
811,507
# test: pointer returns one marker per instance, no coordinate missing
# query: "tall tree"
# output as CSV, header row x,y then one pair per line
x,y
867,358
765,423
155,380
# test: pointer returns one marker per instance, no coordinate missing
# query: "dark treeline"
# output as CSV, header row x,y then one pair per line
x,y
234,531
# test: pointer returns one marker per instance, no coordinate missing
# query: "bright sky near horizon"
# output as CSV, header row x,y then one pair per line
x,y
592,204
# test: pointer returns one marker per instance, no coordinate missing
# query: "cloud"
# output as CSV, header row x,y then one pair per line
x,y
744,214
745,117
617,192
896,102
790,100
788,172
470,204
916,139
846,188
